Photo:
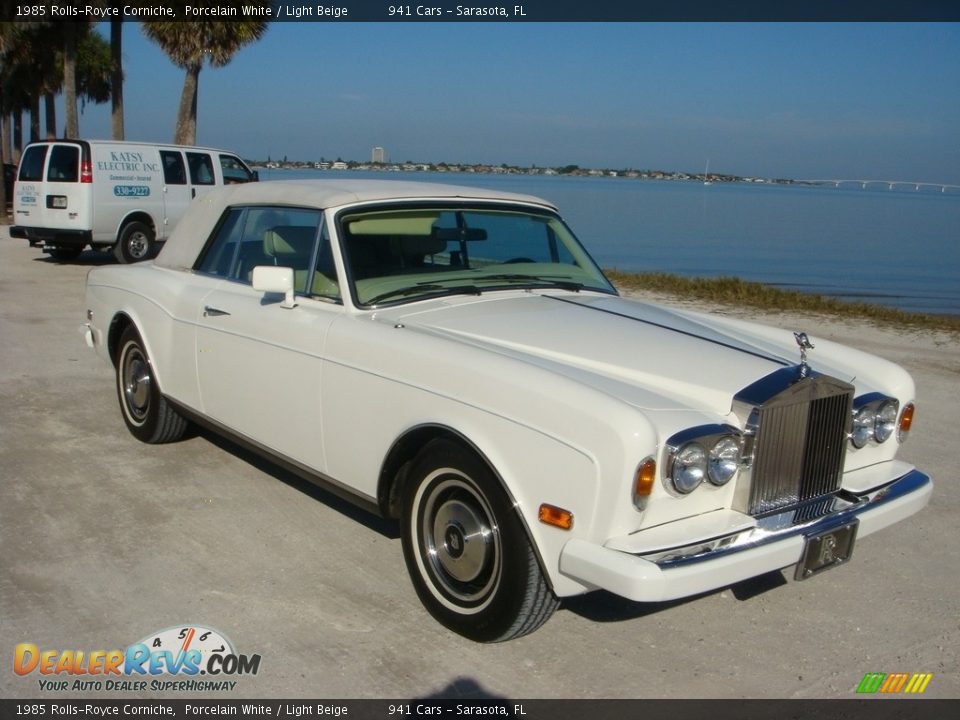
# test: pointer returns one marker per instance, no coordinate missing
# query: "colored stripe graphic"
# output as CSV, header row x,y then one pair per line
x,y
918,683
893,683
871,682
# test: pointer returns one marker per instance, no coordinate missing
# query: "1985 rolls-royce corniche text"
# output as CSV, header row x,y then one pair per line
x,y
453,358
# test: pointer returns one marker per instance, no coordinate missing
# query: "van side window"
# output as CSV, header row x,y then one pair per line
x,y
173,171
201,168
31,165
234,171
64,164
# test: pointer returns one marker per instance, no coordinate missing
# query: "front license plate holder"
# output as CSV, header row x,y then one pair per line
x,y
826,550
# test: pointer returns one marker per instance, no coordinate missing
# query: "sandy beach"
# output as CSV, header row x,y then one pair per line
x,y
106,540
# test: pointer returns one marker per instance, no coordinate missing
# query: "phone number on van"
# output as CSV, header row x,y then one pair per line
x,y
131,190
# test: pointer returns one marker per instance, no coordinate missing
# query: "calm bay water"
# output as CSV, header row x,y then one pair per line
x,y
892,247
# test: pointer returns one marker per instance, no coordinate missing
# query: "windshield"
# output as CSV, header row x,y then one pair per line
x,y
409,254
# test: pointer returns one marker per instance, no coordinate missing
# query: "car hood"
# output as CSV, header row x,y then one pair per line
x,y
647,355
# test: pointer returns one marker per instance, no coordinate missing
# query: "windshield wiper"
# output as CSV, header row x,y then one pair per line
x,y
429,290
542,280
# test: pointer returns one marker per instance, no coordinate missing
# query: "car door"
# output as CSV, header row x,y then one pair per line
x,y
259,364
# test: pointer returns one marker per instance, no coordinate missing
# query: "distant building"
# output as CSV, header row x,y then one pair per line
x,y
378,155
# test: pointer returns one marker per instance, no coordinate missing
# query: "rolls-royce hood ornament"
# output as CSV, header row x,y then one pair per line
x,y
804,342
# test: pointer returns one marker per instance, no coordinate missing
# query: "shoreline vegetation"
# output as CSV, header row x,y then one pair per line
x,y
739,293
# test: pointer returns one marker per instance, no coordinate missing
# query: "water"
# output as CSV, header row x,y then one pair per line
x,y
891,247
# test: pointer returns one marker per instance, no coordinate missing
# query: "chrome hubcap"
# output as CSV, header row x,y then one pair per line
x,y
138,245
136,384
460,540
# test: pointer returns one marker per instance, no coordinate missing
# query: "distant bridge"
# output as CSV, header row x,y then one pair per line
x,y
889,184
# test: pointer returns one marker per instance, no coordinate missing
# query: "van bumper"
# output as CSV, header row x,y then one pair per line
x,y
40,236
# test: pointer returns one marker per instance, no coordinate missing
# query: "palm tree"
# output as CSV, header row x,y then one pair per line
x,y
189,45
116,79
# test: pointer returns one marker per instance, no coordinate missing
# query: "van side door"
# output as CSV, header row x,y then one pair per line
x,y
176,190
202,175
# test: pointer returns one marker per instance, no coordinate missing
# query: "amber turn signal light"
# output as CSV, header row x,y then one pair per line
x,y
643,482
558,517
906,420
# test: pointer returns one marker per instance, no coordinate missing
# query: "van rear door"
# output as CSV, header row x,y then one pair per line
x,y
53,187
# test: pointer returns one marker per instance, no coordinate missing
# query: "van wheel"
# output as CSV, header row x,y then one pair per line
x,y
136,243
65,253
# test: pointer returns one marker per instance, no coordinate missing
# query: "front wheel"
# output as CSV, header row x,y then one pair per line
x,y
466,550
146,412
136,243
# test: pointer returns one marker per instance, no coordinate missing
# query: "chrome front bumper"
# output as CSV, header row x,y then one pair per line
x,y
768,544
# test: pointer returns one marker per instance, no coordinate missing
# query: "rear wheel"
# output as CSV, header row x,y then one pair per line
x,y
136,243
467,551
146,412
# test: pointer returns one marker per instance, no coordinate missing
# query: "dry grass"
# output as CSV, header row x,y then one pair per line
x,y
742,293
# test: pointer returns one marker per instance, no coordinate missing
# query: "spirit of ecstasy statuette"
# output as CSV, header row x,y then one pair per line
x,y
804,342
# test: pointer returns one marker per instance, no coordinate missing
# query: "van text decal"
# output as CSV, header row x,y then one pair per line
x,y
127,161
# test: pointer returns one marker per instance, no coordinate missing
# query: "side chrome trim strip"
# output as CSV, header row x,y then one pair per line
x,y
324,482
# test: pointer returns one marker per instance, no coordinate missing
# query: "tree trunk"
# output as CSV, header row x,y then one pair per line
x,y
17,137
4,154
6,139
72,126
186,132
116,77
50,113
34,117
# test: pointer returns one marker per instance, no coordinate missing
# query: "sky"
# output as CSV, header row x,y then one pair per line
x,y
804,100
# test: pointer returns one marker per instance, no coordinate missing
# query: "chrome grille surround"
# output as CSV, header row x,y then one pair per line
x,y
795,440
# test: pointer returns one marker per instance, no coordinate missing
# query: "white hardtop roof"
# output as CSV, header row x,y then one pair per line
x,y
187,239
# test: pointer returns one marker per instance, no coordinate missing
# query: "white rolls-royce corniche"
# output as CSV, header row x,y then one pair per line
x,y
453,358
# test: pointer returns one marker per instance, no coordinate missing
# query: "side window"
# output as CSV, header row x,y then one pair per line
x,y
174,172
220,256
201,168
263,236
64,164
325,276
234,171
31,165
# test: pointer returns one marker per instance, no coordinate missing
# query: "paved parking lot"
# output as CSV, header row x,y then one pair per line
x,y
105,541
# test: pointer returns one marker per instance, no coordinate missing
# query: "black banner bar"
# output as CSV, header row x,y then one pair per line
x,y
492,10
875,709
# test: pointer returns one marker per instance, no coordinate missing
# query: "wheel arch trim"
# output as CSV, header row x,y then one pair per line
x,y
405,449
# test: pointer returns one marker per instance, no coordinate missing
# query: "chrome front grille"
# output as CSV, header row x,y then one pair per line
x,y
798,445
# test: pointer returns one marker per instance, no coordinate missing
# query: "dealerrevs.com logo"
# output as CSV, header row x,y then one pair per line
x,y
181,658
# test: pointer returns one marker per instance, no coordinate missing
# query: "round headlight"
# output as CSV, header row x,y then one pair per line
x,y
689,468
723,461
886,421
864,421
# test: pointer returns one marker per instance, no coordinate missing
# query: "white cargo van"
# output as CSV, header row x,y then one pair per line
x,y
108,194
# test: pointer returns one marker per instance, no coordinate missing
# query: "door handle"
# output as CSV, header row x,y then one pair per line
x,y
213,312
